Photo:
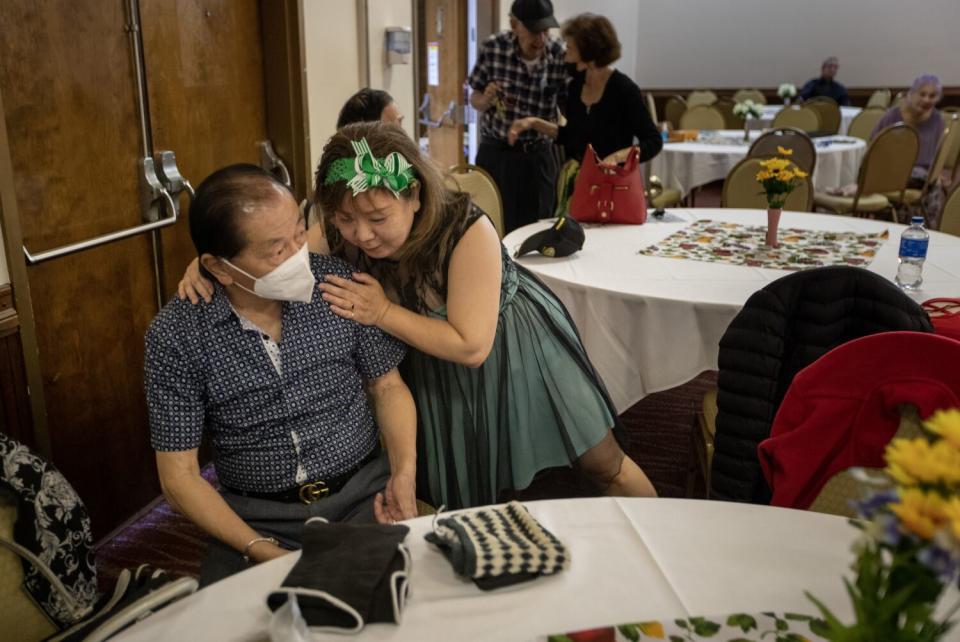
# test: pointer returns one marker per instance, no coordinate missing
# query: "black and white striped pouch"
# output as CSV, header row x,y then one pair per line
x,y
498,546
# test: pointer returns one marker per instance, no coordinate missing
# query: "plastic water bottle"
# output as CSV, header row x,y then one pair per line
x,y
913,252
664,132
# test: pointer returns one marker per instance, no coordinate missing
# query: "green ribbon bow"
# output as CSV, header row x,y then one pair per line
x,y
365,171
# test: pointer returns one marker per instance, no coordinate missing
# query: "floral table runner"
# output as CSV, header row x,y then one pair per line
x,y
719,242
738,627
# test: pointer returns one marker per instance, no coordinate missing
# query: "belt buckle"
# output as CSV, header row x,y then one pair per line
x,y
314,491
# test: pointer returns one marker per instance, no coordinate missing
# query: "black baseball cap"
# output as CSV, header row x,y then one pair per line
x,y
536,15
563,238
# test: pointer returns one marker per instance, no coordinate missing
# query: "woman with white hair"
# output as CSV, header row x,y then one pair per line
x,y
918,110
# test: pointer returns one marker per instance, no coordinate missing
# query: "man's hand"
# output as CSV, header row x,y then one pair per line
x,y
483,101
518,127
398,501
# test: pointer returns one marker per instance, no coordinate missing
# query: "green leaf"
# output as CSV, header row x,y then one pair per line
x,y
681,623
676,638
782,625
559,638
629,631
798,617
703,627
742,620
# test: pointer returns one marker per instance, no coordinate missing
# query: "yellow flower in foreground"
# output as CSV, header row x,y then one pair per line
x,y
763,175
784,151
952,513
799,172
653,629
946,423
916,461
921,513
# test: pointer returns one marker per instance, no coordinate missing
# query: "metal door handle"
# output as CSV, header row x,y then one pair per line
x,y
270,161
449,116
152,191
171,178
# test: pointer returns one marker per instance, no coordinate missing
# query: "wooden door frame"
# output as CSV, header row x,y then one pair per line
x,y
23,300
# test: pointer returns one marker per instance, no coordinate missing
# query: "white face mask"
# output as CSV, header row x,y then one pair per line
x,y
292,280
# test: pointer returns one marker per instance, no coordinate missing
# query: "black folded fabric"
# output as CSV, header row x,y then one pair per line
x,y
499,546
348,575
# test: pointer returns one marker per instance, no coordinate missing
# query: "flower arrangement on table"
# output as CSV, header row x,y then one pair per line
x,y
747,109
787,91
910,546
778,176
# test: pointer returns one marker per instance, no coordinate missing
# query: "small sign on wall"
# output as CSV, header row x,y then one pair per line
x,y
433,64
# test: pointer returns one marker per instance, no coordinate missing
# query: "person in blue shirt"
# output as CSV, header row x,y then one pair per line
x,y
277,382
825,85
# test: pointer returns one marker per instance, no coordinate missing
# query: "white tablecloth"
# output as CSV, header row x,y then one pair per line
x,y
684,166
652,323
769,111
631,560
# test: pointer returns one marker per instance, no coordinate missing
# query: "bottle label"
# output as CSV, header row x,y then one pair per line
x,y
914,248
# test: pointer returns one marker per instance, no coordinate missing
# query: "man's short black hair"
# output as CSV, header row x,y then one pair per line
x,y
221,200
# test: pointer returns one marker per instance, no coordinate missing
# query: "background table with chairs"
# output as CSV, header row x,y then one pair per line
x,y
769,112
650,323
631,560
686,165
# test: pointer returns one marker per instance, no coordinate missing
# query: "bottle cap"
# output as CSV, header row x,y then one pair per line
x,y
916,220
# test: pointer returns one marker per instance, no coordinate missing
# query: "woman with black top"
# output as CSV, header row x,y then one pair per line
x,y
604,107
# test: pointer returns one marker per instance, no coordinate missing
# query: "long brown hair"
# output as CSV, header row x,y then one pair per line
x,y
437,226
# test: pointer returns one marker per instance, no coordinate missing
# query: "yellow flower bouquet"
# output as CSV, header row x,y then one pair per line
x,y
779,176
910,546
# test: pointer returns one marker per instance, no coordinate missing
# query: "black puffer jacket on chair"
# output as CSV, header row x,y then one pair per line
x,y
781,329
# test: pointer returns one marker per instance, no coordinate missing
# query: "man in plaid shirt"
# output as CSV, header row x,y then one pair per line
x,y
520,73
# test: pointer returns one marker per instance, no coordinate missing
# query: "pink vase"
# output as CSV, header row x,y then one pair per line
x,y
773,222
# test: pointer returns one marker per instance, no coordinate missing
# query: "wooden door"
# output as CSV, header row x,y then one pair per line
x,y
445,48
68,91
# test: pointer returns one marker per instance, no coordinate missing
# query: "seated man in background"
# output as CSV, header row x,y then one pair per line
x,y
825,85
277,381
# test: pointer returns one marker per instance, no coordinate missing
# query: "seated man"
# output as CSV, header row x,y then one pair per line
x,y
277,381
825,85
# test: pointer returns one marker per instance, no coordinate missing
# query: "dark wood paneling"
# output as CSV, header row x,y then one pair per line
x,y
15,418
67,82
446,142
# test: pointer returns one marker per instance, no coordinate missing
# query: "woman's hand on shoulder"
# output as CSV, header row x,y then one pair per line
x,y
193,286
362,299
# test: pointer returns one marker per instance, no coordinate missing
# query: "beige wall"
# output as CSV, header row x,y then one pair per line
x,y
332,50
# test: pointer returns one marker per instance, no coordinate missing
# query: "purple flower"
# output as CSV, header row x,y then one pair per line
x,y
938,560
876,502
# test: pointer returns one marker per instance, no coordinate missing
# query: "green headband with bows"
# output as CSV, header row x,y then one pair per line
x,y
364,171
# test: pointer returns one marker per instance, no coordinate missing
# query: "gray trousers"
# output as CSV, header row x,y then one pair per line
x,y
284,520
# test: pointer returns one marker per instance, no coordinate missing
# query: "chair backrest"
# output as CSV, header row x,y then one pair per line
x,y
829,112
725,107
947,142
702,117
863,123
741,190
804,151
483,190
880,98
898,98
750,94
781,329
803,118
673,110
888,161
651,106
701,97
950,218
952,159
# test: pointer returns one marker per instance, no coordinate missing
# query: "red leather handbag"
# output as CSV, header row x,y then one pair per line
x,y
609,193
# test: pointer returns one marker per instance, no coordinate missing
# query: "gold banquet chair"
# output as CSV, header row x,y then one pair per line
x,y
885,168
742,191
701,97
725,107
673,110
482,189
651,106
803,118
950,219
829,112
750,94
953,154
912,196
863,123
804,152
880,99
702,117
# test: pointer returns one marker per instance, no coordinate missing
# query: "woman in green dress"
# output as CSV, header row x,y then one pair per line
x,y
503,386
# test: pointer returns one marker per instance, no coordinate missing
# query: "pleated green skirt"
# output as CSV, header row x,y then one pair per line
x,y
535,403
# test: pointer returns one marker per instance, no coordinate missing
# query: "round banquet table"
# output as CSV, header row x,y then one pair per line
x,y
767,113
631,560
651,323
687,165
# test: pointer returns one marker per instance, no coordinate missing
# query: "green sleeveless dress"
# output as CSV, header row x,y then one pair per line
x,y
535,403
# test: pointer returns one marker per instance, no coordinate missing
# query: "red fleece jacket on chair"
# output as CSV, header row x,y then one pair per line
x,y
841,410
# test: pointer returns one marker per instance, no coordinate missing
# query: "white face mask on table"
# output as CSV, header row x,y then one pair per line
x,y
292,280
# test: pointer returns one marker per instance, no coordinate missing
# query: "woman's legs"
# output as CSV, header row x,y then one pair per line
x,y
615,473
